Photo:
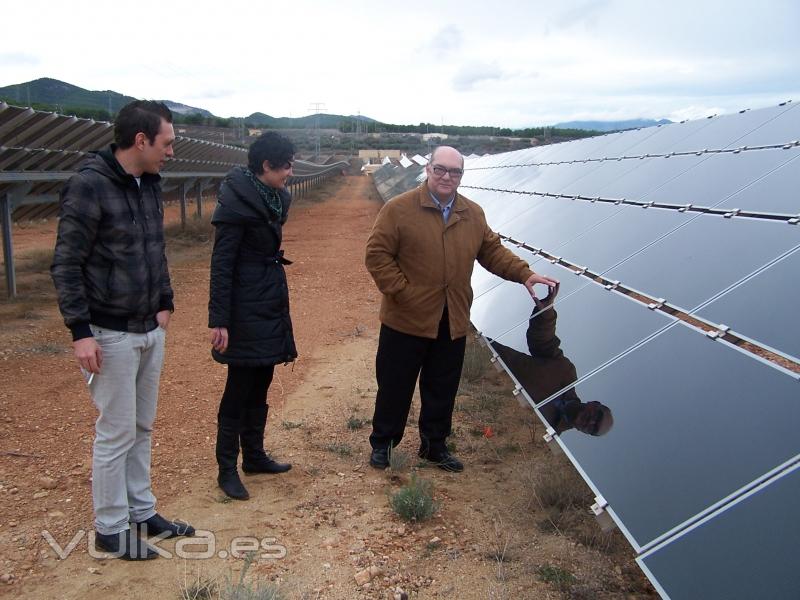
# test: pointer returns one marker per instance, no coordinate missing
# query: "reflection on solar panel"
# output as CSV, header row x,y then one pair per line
x,y
667,367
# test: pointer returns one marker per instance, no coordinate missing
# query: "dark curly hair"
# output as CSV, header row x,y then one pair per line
x,y
273,147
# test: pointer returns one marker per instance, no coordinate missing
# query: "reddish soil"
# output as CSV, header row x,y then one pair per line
x,y
493,537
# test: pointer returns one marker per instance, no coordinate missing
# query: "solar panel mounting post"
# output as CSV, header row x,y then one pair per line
x,y
184,188
8,246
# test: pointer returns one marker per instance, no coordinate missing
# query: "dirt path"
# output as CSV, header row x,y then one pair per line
x,y
495,535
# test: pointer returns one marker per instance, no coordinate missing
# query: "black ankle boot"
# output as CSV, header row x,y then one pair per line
x,y
227,457
254,459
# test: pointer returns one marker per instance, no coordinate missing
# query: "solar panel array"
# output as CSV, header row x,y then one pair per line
x,y
678,252
678,249
39,151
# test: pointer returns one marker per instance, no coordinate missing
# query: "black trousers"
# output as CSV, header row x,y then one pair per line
x,y
245,389
401,358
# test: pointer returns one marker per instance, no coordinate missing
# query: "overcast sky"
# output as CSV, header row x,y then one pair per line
x,y
479,62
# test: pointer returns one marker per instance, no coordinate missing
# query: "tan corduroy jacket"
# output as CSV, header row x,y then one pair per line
x,y
418,262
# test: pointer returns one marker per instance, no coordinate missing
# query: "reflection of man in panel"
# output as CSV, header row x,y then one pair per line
x,y
547,370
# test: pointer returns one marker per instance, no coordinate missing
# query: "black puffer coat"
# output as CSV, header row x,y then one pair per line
x,y
249,294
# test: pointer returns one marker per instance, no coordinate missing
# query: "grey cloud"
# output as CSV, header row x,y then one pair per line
x,y
470,74
446,41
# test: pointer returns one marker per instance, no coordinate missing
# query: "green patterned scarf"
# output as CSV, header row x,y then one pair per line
x,y
269,195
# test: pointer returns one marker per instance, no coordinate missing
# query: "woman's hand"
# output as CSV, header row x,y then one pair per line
x,y
219,338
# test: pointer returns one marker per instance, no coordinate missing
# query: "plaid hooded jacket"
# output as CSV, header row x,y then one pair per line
x,y
109,265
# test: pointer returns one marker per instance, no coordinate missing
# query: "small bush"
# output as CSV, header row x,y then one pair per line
x,y
291,424
340,449
561,488
257,590
199,588
560,578
414,501
398,460
353,422
475,362
197,230
35,261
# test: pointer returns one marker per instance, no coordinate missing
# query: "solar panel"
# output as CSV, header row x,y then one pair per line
x,y
625,233
748,550
758,309
693,424
685,435
715,179
705,256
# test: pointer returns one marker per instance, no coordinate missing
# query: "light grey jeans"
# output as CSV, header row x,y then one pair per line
x,y
125,393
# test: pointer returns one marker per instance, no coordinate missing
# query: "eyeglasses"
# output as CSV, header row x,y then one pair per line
x,y
593,426
439,171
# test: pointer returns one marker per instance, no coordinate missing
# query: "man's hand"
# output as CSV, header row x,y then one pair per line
x,y
536,278
162,318
219,338
548,300
89,354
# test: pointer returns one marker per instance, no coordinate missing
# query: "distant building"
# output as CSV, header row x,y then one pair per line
x,y
378,154
441,136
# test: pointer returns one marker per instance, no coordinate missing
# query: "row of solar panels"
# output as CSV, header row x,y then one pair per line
x,y
698,458
40,150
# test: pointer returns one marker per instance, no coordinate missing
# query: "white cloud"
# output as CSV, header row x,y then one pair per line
x,y
512,63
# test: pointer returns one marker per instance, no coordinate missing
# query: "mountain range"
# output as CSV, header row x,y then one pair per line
x,y
606,126
62,97
66,98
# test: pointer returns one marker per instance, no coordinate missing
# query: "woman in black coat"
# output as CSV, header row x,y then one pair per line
x,y
248,308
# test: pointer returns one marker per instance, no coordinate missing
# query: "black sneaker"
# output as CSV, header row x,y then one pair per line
x,y
379,458
157,525
125,545
444,460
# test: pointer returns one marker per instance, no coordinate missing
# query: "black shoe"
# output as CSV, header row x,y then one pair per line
x,y
125,545
444,460
157,525
251,433
379,458
232,485
263,464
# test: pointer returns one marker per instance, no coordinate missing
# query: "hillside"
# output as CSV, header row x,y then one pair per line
x,y
67,98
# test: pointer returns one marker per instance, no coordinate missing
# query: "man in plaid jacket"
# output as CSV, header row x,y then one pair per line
x,y
114,292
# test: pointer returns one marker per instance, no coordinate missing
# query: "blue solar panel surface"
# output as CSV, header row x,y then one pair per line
x,y
701,218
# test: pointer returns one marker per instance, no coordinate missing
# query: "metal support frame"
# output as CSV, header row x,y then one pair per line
x,y
184,189
199,199
8,246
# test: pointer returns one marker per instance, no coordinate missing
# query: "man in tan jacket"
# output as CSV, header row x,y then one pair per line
x,y
421,253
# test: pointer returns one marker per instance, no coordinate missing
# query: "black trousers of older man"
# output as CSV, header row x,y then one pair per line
x,y
401,358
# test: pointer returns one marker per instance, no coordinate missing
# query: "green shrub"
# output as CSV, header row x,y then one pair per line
x,y
414,501
560,578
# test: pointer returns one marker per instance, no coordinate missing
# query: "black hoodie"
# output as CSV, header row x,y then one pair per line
x,y
109,265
